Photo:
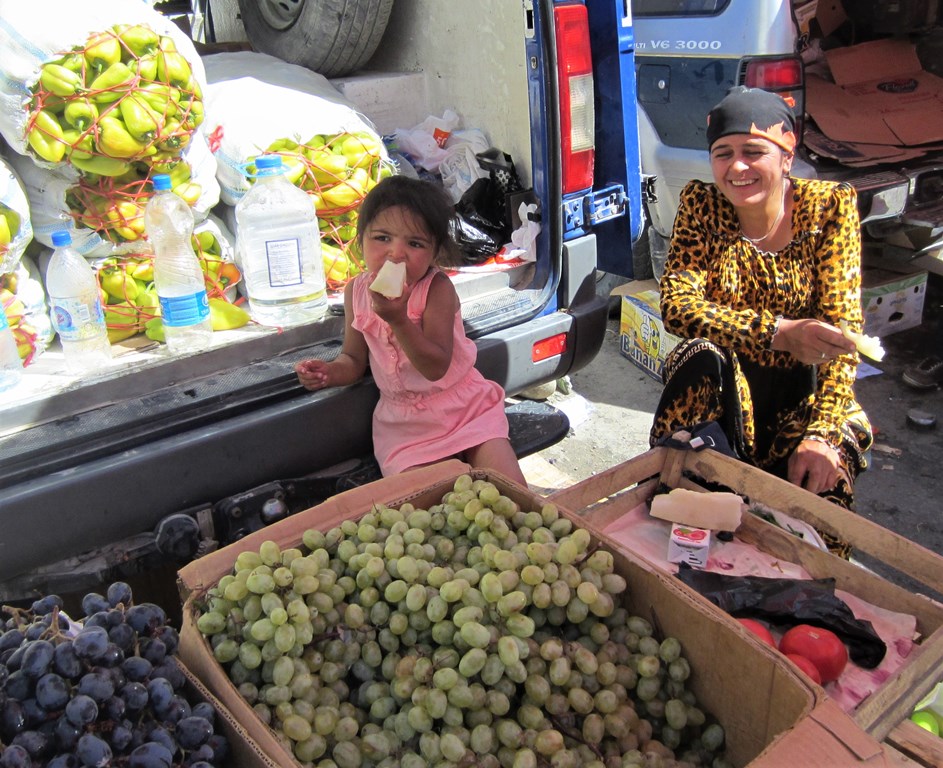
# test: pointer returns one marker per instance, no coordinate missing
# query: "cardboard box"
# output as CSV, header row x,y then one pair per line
x,y
892,302
880,95
642,336
609,495
744,683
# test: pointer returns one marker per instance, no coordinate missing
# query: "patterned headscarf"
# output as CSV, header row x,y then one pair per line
x,y
753,111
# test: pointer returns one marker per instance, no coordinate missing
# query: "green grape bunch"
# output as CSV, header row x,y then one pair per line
x,y
472,633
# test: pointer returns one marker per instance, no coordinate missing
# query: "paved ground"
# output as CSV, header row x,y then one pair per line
x,y
612,402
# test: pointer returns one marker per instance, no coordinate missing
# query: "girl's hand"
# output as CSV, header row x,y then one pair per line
x,y
393,311
313,374
812,342
814,465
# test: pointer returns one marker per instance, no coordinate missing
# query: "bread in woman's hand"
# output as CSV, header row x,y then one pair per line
x,y
869,346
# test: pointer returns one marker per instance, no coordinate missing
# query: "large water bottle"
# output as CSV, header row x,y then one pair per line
x,y
76,307
181,290
279,245
11,367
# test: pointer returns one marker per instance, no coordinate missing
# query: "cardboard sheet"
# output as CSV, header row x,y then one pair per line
x,y
881,95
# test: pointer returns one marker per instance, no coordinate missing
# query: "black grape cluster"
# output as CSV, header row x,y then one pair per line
x,y
107,691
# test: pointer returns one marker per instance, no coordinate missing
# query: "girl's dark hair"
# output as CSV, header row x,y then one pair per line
x,y
425,200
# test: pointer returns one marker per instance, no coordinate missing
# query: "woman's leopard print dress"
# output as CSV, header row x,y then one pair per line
x,y
723,295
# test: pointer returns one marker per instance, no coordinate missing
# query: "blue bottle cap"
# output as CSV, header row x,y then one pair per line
x,y
268,164
61,237
161,181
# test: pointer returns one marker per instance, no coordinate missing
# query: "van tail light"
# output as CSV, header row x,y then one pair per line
x,y
577,110
780,74
549,347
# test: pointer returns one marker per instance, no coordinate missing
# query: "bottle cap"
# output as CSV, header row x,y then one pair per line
x,y
61,237
268,165
161,181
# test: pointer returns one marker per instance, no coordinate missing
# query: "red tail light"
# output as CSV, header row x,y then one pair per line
x,y
549,347
773,74
577,111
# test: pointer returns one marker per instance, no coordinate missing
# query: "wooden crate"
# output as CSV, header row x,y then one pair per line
x,y
604,497
755,694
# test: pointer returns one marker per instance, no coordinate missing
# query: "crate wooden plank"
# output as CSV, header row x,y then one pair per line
x,y
919,745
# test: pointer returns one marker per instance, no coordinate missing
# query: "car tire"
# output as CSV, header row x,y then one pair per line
x,y
331,37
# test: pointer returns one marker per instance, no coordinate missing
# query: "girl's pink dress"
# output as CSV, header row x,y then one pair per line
x,y
418,421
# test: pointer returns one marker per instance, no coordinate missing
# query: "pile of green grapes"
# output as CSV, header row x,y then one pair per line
x,y
473,633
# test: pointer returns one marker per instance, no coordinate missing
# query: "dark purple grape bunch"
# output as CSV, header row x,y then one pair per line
x,y
105,692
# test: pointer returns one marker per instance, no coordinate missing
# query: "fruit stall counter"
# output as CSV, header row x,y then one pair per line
x,y
912,623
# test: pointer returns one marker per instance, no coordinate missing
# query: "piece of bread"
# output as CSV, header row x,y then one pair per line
x,y
390,280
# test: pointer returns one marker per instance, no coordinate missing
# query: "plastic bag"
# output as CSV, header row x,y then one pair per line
x,y
790,602
481,230
425,143
460,167
14,207
524,238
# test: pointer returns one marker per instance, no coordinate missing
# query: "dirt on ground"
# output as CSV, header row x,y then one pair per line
x,y
612,401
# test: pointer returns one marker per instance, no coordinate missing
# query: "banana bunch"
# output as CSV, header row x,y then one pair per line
x,y
337,171
130,298
114,206
126,96
26,336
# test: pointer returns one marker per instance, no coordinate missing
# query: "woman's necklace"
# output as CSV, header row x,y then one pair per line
x,y
779,218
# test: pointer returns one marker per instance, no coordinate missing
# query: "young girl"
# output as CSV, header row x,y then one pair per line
x,y
433,404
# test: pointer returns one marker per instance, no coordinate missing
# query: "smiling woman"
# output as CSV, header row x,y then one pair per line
x,y
761,272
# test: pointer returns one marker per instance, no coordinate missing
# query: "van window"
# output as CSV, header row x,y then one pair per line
x,y
678,7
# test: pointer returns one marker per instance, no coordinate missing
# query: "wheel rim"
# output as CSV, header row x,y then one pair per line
x,y
281,14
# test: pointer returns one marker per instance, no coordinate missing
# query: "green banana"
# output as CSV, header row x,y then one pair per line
x,y
46,138
59,80
80,113
101,166
139,39
115,141
140,120
112,84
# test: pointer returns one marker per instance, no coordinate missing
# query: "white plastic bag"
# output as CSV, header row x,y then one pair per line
x,y
426,142
253,99
524,238
460,168
13,197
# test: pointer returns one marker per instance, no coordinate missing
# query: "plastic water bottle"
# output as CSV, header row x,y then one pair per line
x,y
76,307
279,244
11,367
178,278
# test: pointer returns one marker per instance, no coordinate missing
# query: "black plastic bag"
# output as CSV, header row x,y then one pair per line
x,y
483,218
480,228
790,602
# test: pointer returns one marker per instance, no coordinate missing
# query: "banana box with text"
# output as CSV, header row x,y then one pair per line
x,y
642,336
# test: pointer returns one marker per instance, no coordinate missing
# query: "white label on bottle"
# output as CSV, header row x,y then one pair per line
x,y
72,318
284,262
182,311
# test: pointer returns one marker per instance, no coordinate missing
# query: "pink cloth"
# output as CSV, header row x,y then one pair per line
x,y
418,421
639,532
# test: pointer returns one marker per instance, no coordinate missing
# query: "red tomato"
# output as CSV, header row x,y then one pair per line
x,y
820,646
805,666
759,630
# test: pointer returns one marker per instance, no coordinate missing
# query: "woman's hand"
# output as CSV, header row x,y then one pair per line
x,y
814,465
812,342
